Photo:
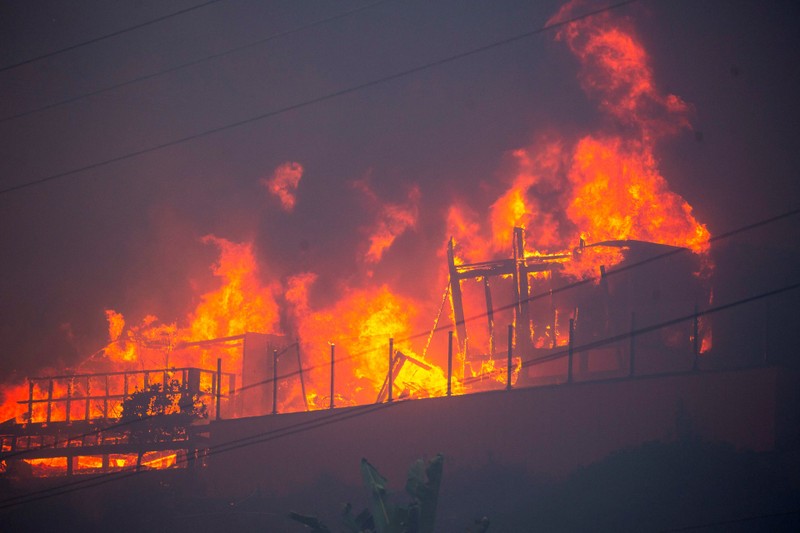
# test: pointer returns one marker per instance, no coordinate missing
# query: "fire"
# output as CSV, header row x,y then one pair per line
x,y
360,324
571,194
241,304
618,193
392,220
601,187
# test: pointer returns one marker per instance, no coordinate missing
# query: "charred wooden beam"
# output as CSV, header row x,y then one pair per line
x,y
489,312
522,293
458,308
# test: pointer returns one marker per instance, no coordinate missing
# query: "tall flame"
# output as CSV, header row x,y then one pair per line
x,y
602,186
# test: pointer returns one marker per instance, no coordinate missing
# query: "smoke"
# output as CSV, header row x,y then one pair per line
x,y
283,184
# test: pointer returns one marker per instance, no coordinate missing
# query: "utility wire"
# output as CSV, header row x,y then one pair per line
x,y
334,417
81,484
349,357
565,288
318,99
192,63
107,36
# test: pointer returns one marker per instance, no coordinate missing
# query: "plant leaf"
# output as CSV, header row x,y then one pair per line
x,y
382,511
423,485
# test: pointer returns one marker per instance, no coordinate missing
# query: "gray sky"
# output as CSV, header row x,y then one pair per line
x,y
127,235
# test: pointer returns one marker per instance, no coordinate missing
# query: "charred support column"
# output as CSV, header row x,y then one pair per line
x,y
450,363
302,379
219,389
274,382
553,315
510,350
390,382
458,305
105,398
522,293
69,399
489,313
570,349
30,401
88,395
333,359
49,400
632,365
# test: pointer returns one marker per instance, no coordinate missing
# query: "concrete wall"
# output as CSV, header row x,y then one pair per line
x,y
547,430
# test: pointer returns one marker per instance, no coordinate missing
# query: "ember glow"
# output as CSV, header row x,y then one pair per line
x,y
569,193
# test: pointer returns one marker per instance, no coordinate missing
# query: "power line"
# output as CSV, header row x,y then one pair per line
x,y
81,484
107,36
334,417
338,416
316,100
194,62
556,355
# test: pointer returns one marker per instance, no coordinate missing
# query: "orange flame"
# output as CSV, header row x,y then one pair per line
x,y
393,219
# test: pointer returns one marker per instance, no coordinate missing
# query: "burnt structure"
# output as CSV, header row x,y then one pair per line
x,y
621,323
559,316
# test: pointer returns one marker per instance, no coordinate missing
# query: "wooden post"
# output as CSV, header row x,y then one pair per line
x,y
458,304
450,362
553,315
69,399
487,293
570,349
510,349
274,382
300,370
30,400
521,292
88,395
333,360
390,383
49,400
218,391
105,398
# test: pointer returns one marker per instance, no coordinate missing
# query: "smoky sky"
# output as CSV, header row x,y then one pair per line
x,y
127,235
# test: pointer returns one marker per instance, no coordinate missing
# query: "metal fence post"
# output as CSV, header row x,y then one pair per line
x,y
570,349
510,350
449,362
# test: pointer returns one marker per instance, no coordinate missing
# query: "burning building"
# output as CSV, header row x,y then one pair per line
x,y
584,254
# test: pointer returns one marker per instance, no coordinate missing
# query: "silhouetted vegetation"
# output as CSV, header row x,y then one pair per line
x,y
162,412
384,516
